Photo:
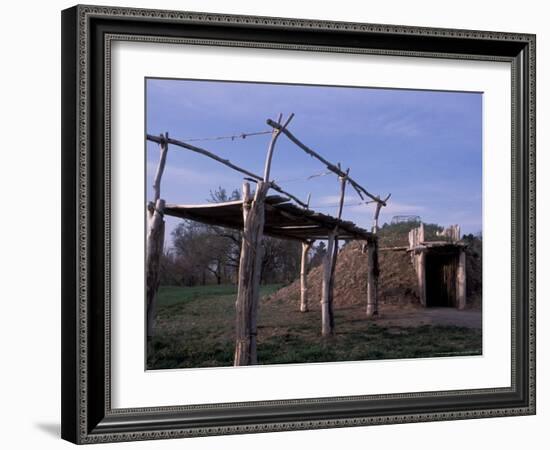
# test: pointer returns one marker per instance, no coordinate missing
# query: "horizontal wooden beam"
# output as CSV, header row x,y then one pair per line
x,y
393,249
202,151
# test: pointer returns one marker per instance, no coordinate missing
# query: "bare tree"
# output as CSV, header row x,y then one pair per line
x,y
318,253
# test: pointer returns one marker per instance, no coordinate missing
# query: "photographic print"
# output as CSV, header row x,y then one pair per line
x,y
293,224
292,199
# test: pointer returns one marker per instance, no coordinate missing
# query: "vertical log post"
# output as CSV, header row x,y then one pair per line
x,y
326,320
155,245
248,293
329,267
160,168
372,264
249,275
421,266
376,214
420,260
372,278
331,282
456,233
155,239
461,280
304,307
379,205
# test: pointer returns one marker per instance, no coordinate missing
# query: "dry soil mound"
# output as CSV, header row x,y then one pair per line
x,y
397,281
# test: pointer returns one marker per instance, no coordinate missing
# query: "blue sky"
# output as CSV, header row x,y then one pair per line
x,y
425,147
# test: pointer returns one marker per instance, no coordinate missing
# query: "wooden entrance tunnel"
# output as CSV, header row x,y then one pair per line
x,y
440,267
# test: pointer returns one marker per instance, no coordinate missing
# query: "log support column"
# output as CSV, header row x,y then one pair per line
x,y
155,244
155,239
418,258
327,321
461,280
306,246
372,281
420,266
329,267
248,293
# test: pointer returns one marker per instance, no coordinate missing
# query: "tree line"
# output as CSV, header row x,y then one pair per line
x,y
202,254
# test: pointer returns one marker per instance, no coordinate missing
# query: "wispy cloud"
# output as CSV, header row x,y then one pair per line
x,y
393,208
383,135
403,208
186,177
405,125
354,207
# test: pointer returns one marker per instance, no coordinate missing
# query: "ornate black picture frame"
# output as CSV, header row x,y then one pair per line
x,y
87,34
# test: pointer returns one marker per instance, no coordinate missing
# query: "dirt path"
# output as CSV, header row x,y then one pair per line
x,y
413,317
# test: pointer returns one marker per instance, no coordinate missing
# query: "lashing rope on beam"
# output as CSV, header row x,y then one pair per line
x,y
231,137
333,205
309,177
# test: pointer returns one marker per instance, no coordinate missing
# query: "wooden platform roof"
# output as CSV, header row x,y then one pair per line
x,y
282,219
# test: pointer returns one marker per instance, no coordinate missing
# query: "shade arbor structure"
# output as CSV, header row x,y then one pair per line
x,y
257,214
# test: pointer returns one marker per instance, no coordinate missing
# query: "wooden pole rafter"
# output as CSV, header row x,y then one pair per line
x,y
252,176
304,298
163,145
274,136
377,213
327,286
361,191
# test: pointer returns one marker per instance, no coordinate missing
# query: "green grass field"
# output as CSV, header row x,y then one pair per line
x,y
195,328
